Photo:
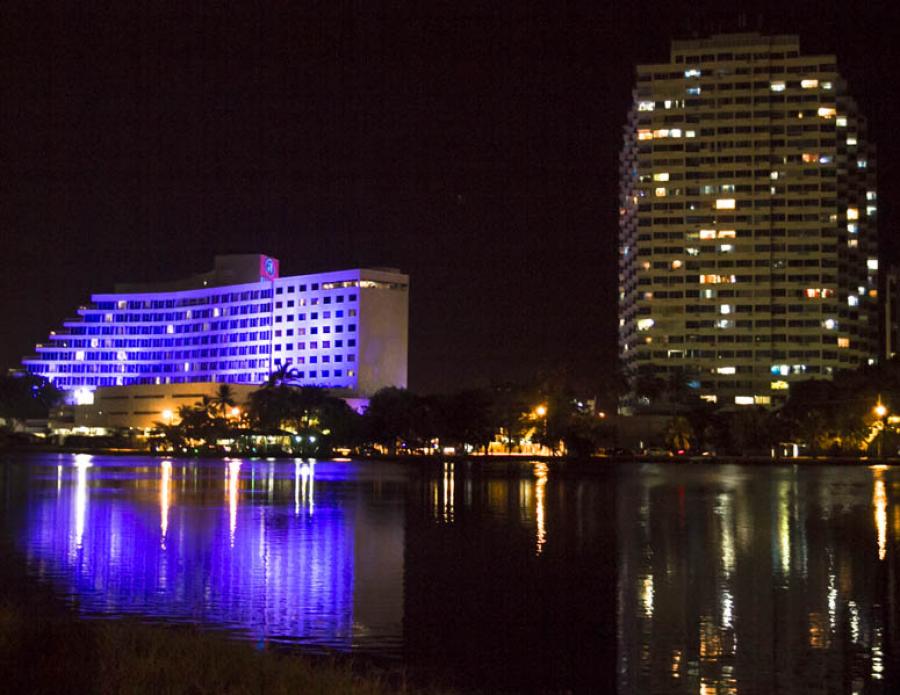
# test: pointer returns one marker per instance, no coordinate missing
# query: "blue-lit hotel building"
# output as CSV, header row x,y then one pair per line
x,y
237,324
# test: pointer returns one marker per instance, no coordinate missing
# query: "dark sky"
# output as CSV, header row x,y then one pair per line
x,y
473,145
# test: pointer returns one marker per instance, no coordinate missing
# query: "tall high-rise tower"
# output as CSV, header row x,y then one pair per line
x,y
748,245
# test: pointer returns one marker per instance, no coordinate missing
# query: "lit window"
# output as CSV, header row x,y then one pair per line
x,y
826,159
809,84
726,309
79,355
661,176
724,323
645,135
852,300
690,133
841,122
871,210
727,234
762,400
709,398
851,140
646,106
826,112
661,133
743,400
675,133
707,233
826,85
692,72
726,248
170,329
645,324
829,324
693,91
843,342
660,192
777,86
725,204
726,370
809,157
676,264
852,227
862,164
692,251
779,385
852,213
872,264
871,195
120,355
852,243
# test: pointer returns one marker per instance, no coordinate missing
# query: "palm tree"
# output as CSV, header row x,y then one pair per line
x,y
221,401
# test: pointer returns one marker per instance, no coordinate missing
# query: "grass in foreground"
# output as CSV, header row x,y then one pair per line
x,y
45,648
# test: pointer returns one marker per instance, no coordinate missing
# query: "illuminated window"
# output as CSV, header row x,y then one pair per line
x,y
852,300
709,398
852,227
676,264
726,309
809,84
661,133
725,204
693,91
852,213
852,243
809,157
661,176
826,112
660,192
826,159
692,251
727,234
79,355
862,164
779,385
120,355
743,400
851,140
777,86
645,135
871,195
675,133
872,264
170,329
826,85
690,133
646,106
726,248
645,324
724,323
841,122
871,210
692,72
726,370
829,324
762,400
843,342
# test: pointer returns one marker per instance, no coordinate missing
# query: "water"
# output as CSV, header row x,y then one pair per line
x,y
669,578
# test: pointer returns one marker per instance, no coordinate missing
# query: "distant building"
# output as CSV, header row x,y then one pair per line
x,y
237,324
748,245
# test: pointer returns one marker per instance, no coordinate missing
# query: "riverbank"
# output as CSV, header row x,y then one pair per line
x,y
46,647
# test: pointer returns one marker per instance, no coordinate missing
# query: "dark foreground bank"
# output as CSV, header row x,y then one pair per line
x,y
46,648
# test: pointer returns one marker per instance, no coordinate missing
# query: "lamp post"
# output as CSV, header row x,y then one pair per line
x,y
880,411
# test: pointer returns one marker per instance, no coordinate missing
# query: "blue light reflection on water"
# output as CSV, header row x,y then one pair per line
x,y
272,555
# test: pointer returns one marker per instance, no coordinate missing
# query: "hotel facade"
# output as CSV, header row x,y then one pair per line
x,y
236,324
748,254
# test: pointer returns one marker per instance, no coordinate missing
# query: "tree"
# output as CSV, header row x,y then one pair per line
x,y
25,396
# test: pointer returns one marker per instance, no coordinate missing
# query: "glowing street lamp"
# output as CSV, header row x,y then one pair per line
x,y
167,416
235,412
541,410
880,411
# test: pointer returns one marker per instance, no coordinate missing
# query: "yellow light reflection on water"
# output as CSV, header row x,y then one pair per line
x,y
879,501
448,493
164,497
647,596
540,474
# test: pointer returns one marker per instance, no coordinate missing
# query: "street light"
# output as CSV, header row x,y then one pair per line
x,y
880,411
167,416
541,410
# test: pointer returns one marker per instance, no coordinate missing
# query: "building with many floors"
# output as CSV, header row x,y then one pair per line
x,y
748,245
236,324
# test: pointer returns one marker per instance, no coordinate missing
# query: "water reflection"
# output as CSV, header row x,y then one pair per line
x,y
151,539
641,579
704,607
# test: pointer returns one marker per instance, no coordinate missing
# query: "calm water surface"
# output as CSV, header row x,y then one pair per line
x,y
668,578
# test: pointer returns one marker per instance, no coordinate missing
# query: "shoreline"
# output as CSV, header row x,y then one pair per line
x,y
590,464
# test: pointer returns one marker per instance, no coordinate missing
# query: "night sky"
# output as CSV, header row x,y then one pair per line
x,y
473,145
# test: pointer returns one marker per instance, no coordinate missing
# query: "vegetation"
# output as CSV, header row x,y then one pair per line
x,y
25,396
